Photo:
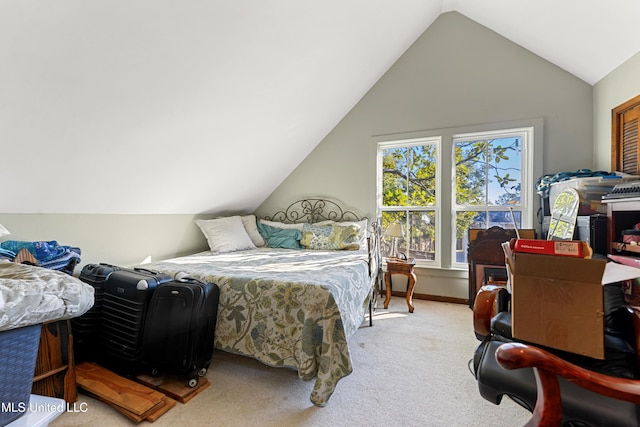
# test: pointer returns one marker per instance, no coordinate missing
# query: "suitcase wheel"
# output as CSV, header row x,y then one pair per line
x,y
202,372
193,382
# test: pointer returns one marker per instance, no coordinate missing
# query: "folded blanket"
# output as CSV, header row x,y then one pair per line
x,y
5,254
49,254
544,182
30,295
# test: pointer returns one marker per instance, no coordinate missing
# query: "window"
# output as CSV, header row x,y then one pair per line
x,y
489,173
438,187
408,195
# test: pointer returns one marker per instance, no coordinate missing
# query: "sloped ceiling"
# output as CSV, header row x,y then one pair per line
x,y
158,106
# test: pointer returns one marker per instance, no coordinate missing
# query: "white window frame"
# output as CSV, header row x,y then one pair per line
x,y
445,182
413,142
527,181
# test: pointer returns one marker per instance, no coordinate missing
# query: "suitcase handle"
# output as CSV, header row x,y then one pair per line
x,y
184,277
148,271
189,280
181,275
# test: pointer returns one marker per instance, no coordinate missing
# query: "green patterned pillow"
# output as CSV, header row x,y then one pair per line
x,y
329,237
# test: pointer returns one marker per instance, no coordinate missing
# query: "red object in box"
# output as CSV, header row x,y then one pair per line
x,y
573,248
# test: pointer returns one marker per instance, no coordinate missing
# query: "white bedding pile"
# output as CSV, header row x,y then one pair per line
x,y
31,295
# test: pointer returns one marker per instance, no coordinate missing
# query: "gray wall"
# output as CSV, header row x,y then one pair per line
x,y
616,88
115,239
458,73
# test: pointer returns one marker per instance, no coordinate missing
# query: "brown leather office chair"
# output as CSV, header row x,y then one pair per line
x,y
560,388
547,368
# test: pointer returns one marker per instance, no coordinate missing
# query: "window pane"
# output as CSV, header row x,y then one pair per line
x,y
480,220
419,240
471,174
488,172
409,176
422,175
394,177
422,243
465,221
504,219
386,245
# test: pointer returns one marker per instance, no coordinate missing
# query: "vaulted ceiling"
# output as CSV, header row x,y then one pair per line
x,y
159,106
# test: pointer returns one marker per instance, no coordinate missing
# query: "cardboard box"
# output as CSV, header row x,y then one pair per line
x,y
557,301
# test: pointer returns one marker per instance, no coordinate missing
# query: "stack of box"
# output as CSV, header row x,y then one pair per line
x,y
590,190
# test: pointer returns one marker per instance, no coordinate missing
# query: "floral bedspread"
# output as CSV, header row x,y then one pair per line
x,y
283,307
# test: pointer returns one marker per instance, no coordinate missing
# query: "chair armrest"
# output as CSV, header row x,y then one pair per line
x,y
485,307
547,369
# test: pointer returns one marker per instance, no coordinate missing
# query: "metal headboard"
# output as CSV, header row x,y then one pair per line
x,y
314,210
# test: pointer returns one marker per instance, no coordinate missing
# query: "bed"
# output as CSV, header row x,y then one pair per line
x,y
289,307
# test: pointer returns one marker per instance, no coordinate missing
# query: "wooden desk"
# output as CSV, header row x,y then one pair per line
x,y
485,253
405,268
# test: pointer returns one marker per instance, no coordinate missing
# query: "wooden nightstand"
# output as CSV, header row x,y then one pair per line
x,y
405,268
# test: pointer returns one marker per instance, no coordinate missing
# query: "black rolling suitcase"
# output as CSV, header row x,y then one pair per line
x,y
85,328
180,328
127,293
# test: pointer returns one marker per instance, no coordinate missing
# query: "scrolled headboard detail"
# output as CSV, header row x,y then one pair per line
x,y
313,210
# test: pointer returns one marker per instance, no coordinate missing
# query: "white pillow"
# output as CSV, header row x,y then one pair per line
x,y
225,234
249,222
282,224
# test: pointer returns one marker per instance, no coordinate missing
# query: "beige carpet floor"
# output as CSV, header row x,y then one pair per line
x,y
409,370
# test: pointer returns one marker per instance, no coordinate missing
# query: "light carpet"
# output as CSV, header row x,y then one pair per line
x,y
410,369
